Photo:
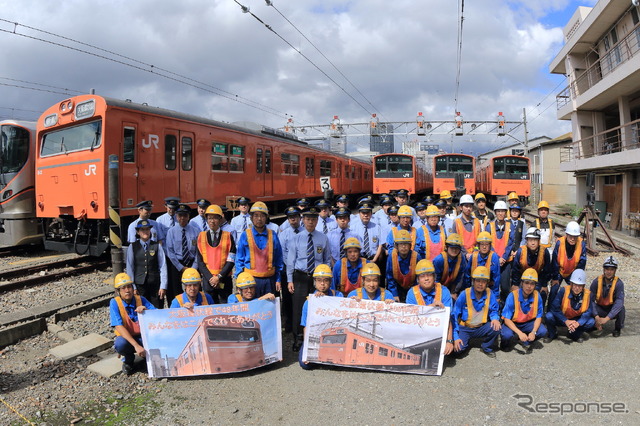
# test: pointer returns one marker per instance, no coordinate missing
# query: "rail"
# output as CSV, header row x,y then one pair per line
x,y
616,139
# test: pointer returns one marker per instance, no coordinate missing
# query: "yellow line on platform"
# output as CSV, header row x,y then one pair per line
x,y
35,259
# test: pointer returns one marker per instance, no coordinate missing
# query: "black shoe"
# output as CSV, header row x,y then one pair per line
x,y
491,354
127,369
579,340
528,348
548,339
616,333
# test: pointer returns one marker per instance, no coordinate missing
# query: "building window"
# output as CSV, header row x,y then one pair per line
x,y
219,159
129,145
290,164
170,152
236,159
610,180
187,153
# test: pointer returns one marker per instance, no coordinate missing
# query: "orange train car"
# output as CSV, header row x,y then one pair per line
x,y
221,344
159,153
445,168
400,171
344,346
498,176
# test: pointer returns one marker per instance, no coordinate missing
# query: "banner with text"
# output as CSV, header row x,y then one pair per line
x,y
375,335
215,339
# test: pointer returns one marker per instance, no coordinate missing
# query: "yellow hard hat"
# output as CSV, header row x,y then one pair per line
x,y
512,196
259,206
481,272
425,266
484,237
454,240
543,205
433,211
190,276
214,209
530,274
322,271
370,269
121,280
444,195
480,196
245,280
404,211
352,242
402,236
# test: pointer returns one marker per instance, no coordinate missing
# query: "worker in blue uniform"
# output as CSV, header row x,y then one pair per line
x,y
607,297
421,210
569,254
402,198
326,223
368,232
200,221
124,309
475,315
307,250
286,235
246,290
144,213
405,222
168,219
445,220
371,289
347,272
451,264
532,255
322,284
182,245
401,266
147,264
381,217
259,252
522,313
340,234
193,295
242,221
571,308
484,256
428,292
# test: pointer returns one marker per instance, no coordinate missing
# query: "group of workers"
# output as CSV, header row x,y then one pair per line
x,y
497,276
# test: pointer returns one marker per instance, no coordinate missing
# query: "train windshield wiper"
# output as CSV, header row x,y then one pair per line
x,y
62,147
93,142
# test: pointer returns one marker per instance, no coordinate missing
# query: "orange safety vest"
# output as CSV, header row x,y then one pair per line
x,y
550,231
468,237
214,257
518,315
346,286
524,255
261,260
360,293
447,278
418,294
132,326
433,249
413,236
474,261
500,244
476,318
405,281
600,298
567,310
185,299
239,297
567,266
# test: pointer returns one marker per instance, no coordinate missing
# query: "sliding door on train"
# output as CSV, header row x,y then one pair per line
x,y
129,164
186,174
264,171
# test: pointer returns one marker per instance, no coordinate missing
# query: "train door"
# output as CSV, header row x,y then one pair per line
x,y
129,164
170,182
264,172
186,174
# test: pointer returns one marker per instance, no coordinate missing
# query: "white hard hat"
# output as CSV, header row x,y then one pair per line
x,y
533,233
466,199
500,205
579,276
573,228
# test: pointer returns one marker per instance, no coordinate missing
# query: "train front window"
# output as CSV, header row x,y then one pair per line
x,y
511,168
77,138
232,335
448,165
334,339
394,166
14,148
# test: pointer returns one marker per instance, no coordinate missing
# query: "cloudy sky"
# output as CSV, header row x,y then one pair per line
x,y
400,55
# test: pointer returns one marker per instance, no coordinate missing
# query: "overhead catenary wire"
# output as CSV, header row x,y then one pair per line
x,y
245,9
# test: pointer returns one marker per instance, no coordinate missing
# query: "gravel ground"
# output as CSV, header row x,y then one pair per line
x,y
32,257
472,390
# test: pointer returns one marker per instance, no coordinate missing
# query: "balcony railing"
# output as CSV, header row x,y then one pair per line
x,y
617,139
617,55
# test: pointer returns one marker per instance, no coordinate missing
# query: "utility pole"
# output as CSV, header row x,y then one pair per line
x,y
526,133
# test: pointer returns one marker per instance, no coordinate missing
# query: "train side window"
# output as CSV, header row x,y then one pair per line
x,y
353,172
185,358
170,152
267,161
355,344
219,159
129,145
325,168
259,160
366,348
367,175
400,355
236,159
346,172
290,164
309,167
187,153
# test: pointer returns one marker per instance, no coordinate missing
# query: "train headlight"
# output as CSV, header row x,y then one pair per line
x,y
51,120
85,109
